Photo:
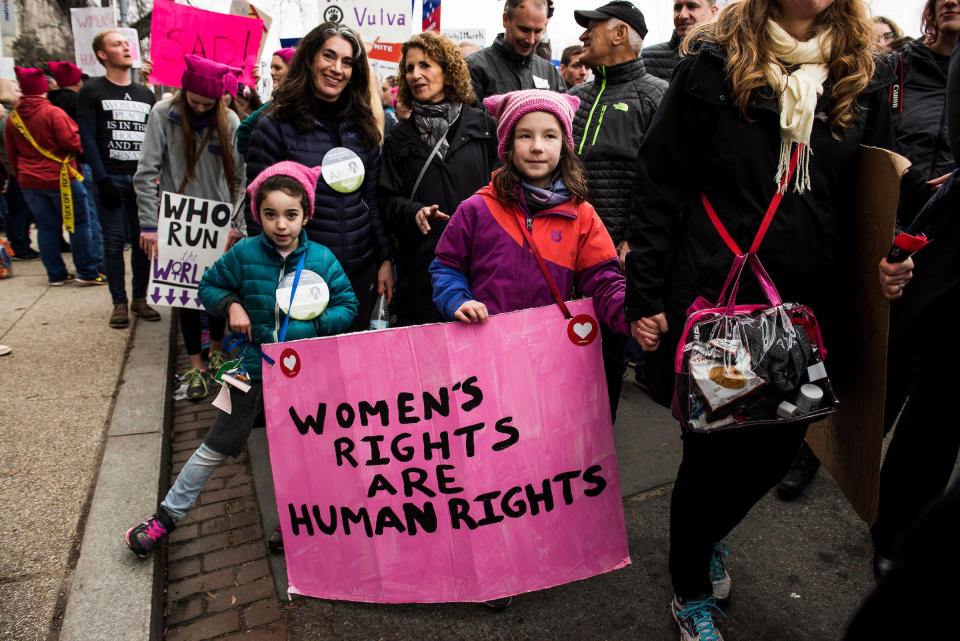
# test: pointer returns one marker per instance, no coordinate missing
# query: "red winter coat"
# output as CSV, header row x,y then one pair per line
x,y
53,130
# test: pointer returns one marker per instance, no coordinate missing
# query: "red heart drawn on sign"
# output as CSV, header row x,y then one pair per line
x,y
582,329
289,362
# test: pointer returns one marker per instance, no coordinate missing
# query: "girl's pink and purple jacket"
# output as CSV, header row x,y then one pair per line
x,y
483,255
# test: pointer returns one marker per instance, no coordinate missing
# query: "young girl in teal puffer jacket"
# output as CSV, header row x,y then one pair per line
x,y
242,286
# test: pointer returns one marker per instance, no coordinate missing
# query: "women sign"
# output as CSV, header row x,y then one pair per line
x,y
445,462
177,30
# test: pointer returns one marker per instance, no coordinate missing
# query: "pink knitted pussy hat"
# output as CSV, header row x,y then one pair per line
x,y
285,54
66,74
204,77
306,176
511,107
231,82
32,81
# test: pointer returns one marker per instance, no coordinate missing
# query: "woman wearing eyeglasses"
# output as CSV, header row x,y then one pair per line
x,y
886,32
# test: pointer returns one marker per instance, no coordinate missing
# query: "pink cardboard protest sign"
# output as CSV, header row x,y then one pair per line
x,y
177,30
445,462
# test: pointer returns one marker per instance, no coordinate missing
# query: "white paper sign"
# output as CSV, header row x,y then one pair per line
x,y
476,36
6,69
87,23
134,39
192,235
8,18
383,20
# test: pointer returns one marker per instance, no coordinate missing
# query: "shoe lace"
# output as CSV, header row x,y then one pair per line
x,y
699,614
154,529
192,376
216,361
717,569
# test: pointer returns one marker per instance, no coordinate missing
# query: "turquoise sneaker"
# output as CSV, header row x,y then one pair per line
x,y
695,619
719,577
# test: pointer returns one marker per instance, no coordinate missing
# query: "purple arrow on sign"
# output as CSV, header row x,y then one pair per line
x,y
184,297
171,297
199,303
156,294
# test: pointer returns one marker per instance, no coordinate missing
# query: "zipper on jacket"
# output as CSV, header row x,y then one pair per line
x,y
586,130
276,305
529,223
596,131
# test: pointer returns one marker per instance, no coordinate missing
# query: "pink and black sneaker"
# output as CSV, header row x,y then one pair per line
x,y
144,537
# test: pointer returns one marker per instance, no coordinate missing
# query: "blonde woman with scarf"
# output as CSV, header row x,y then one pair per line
x,y
768,79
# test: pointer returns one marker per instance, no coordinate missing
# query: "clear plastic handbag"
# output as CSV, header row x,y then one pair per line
x,y
744,365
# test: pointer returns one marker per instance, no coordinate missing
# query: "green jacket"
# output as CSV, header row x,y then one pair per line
x,y
249,274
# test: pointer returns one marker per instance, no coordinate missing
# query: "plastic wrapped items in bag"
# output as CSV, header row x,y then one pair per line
x,y
743,365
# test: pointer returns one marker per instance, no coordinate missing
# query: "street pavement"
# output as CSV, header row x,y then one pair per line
x,y
58,389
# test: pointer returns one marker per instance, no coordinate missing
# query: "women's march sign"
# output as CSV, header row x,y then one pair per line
x,y
445,462
191,235
178,29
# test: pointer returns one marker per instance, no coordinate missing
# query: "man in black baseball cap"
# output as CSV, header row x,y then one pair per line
x,y
615,109
617,9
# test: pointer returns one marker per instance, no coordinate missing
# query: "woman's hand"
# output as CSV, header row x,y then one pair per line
x,y
894,276
622,250
239,321
426,214
648,330
937,182
148,243
385,280
472,311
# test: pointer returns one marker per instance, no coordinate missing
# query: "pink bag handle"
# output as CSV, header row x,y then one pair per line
x,y
766,283
740,258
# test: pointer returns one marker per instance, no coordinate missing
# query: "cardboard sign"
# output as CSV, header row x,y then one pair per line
x,y
849,443
444,462
86,24
244,8
192,235
177,30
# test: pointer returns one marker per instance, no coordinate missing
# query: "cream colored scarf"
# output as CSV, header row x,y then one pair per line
x,y
798,93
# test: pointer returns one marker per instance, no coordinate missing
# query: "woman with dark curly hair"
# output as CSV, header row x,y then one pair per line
x,y
322,115
432,161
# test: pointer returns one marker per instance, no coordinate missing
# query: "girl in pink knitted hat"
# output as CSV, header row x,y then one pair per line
x,y
530,236
242,286
485,262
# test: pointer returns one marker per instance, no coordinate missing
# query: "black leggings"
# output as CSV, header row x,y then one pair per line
x,y
191,329
721,477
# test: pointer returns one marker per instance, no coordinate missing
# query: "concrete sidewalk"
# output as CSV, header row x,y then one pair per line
x,y
60,387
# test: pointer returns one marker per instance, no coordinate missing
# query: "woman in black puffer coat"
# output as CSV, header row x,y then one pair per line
x,y
324,104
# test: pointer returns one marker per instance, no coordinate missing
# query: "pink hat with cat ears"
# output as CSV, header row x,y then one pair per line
x,y
306,176
204,77
511,107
